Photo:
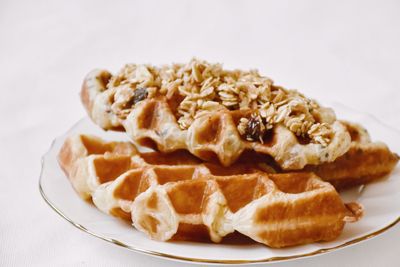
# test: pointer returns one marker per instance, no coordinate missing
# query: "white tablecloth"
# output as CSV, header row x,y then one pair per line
x,y
344,51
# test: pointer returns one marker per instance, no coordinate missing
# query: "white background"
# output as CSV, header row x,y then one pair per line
x,y
344,51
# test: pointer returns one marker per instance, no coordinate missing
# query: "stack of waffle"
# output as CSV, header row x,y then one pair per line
x,y
232,153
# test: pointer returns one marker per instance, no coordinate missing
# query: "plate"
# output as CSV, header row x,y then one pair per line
x,y
379,198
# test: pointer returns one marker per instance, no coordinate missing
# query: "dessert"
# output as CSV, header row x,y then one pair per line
x,y
214,113
175,197
231,153
364,162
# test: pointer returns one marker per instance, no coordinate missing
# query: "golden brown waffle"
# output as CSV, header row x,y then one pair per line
x,y
366,161
214,135
78,150
175,197
89,161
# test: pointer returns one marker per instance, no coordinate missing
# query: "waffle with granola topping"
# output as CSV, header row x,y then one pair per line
x,y
214,113
176,197
364,162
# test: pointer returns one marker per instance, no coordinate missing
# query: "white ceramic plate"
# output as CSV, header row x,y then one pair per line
x,y
381,201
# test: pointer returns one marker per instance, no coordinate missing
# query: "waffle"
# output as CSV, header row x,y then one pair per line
x,y
176,197
277,210
154,121
89,161
366,161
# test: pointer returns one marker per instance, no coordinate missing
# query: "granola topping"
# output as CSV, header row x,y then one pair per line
x,y
207,87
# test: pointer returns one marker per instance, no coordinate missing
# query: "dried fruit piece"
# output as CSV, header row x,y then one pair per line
x,y
252,129
139,95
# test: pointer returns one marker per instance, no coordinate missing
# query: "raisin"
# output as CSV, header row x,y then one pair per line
x,y
139,95
255,130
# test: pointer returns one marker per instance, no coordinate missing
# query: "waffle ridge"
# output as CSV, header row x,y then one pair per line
x,y
176,197
153,122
